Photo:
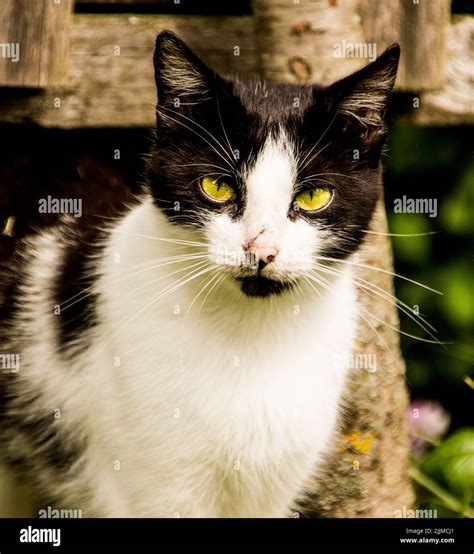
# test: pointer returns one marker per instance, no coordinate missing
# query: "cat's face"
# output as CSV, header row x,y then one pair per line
x,y
271,175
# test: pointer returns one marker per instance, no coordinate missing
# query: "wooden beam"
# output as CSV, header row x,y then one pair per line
x,y
420,27
108,90
33,42
111,80
453,104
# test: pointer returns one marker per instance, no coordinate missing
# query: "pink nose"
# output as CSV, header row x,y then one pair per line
x,y
262,249
265,254
261,255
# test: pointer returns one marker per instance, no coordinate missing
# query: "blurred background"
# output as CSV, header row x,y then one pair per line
x,y
98,134
427,162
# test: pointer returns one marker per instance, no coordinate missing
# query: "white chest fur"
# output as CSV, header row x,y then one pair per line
x,y
221,409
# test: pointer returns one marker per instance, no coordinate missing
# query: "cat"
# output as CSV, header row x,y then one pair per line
x,y
178,358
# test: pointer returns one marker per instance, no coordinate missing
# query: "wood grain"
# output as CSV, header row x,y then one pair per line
x,y
420,28
40,28
110,81
107,90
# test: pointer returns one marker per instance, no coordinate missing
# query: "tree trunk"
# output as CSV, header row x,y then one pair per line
x,y
421,29
366,472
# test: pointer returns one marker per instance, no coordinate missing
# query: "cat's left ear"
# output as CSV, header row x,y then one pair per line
x,y
364,96
181,77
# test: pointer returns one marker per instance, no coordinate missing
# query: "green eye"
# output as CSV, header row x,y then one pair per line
x,y
314,199
219,191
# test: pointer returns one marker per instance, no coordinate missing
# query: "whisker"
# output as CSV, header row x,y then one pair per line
x,y
232,160
337,175
392,300
221,279
302,162
124,277
401,234
204,287
162,294
314,156
366,321
172,241
205,164
223,129
178,258
395,301
373,268
311,181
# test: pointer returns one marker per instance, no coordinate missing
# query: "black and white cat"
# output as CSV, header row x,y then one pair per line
x,y
179,360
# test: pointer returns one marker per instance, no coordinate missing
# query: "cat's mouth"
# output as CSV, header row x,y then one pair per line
x,y
257,285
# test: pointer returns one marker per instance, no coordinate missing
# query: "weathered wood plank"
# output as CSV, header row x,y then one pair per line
x,y
110,81
420,28
454,103
108,90
37,31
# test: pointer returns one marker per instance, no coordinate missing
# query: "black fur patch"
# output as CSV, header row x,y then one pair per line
x,y
41,437
11,280
85,238
261,286
71,288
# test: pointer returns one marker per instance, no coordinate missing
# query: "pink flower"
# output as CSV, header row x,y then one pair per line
x,y
428,421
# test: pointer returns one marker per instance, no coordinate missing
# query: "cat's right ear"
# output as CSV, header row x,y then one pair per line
x,y
181,77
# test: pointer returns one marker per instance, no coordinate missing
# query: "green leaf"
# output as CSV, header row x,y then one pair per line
x,y
452,463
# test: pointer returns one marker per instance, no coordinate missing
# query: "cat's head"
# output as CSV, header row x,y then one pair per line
x,y
271,175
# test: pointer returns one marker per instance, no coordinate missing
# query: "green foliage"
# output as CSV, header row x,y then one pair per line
x,y
456,211
456,280
452,463
428,163
436,164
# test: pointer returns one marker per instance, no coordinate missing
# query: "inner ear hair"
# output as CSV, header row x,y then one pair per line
x,y
178,71
365,95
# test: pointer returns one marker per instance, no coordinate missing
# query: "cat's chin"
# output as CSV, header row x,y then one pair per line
x,y
258,286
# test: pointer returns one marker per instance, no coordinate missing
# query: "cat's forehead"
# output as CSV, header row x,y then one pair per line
x,y
273,101
271,140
